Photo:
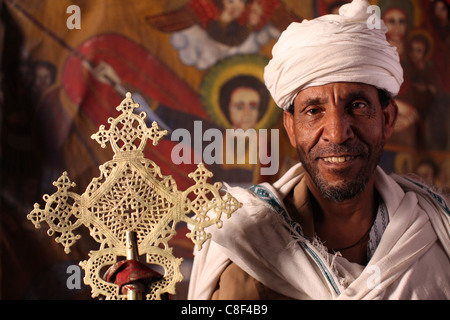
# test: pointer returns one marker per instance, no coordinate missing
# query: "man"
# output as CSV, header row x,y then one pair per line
x,y
334,226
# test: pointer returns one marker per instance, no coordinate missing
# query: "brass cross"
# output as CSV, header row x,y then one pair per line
x,y
132,198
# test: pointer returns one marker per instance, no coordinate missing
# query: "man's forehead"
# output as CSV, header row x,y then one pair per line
x,y
340,90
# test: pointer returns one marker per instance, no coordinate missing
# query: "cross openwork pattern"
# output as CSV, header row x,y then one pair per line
x,y
132,195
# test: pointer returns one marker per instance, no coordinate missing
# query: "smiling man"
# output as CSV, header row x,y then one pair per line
x,y
339,131
335,226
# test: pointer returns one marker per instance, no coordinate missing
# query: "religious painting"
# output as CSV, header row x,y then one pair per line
x,y
204,31
421,142
234,94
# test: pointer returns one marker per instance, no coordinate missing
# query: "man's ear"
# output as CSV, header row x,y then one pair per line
x,y
289,125
390,118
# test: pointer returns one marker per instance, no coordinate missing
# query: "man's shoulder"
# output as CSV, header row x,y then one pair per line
x,y
415,184
267,193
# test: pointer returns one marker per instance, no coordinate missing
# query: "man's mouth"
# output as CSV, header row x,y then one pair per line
x,y
341,159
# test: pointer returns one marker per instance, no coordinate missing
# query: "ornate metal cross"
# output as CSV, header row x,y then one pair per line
x,y
131,196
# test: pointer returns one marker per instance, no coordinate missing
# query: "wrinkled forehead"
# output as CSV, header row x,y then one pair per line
x,y
337,91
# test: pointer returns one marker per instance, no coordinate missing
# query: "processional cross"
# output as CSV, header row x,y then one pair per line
x,y
132,209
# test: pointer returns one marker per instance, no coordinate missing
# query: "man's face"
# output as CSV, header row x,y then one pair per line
x,y
339,130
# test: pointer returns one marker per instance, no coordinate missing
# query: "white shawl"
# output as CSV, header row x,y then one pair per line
x,y
410,262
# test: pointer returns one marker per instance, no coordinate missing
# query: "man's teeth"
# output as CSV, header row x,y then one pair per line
x,y
338,159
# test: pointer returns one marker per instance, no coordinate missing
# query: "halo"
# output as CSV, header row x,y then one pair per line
x,y
224,71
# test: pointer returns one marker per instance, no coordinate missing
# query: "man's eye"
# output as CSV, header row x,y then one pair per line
x,y
358,105
313,111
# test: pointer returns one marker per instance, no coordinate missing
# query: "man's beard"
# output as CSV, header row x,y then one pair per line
x,y
347,189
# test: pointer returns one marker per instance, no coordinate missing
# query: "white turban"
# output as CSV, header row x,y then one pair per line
x,y
333,48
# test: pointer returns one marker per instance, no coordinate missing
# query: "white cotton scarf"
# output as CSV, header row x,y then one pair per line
x,y
410,262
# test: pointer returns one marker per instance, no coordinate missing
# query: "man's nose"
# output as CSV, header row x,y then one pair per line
x,y
337,127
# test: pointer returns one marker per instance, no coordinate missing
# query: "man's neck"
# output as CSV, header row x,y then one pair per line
x,y
344,225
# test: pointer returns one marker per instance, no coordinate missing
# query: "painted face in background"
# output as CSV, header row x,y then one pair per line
x,y
396,22
43,78
441,13
418,51
232,9
244,108
339,131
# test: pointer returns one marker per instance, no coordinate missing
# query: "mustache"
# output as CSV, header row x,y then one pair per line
x,y
347,148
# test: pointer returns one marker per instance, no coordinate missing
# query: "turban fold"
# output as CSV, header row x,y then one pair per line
x,y
333,48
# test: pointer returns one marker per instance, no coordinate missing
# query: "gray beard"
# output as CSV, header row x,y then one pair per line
x,y
350,189
342,192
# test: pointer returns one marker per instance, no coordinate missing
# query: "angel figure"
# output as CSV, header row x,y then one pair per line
x,y
205,31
